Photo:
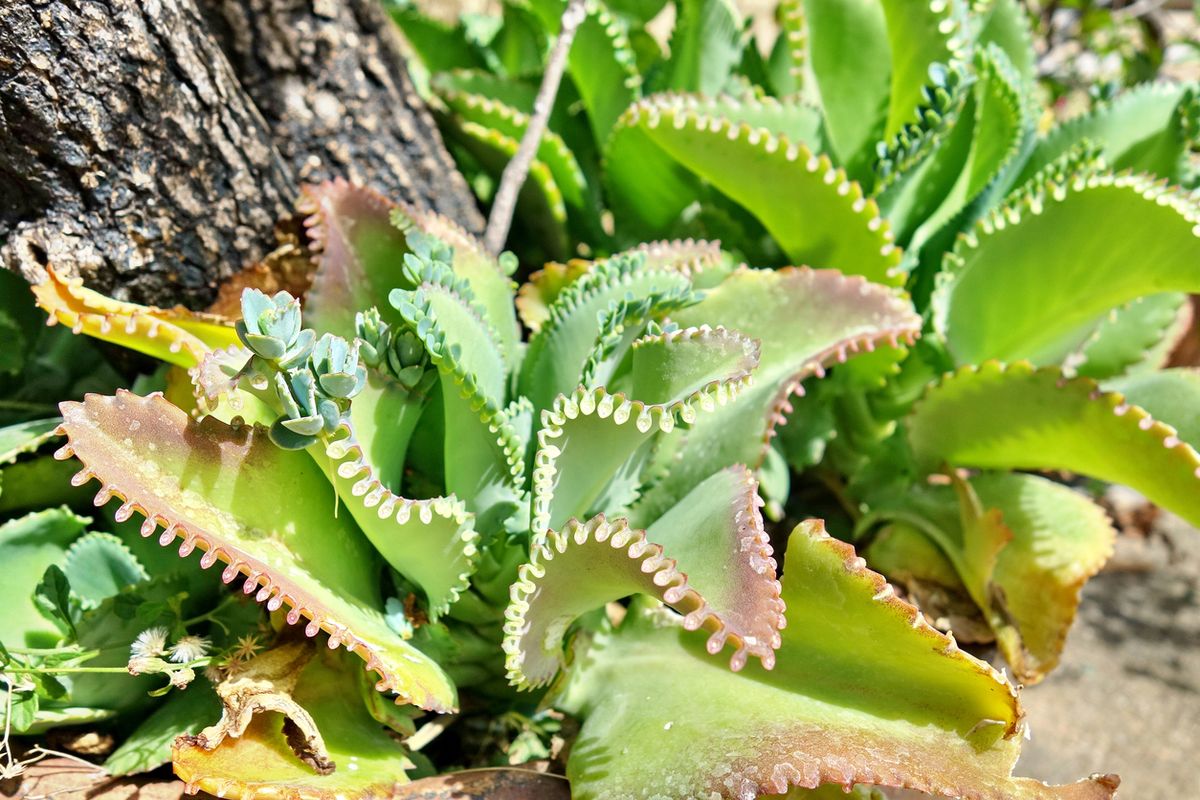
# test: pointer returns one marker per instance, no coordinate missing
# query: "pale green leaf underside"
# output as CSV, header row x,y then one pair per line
x,y
1033,277
713,564
1137,336
934,718
798,315
266,512
430,542
1019,417
805,320
1171,396
587,437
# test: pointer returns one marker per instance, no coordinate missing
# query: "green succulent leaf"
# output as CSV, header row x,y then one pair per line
x,y
1043,245
1019,417
552,151
588,438
920,165
703,262
851,64
1007,26
984,139
786,69
520,44
706,45
863,691
488,463
540,202
28,546
516,93
614,300
920,35
805,321
713,565
603,67
1171,396
1143,129
817,215
1137,336
25,437
99,565
650,187
234,495
1021,547
439,46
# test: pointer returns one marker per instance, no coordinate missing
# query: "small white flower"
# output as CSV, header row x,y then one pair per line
x,y
140,665
149,643
180,678
189,648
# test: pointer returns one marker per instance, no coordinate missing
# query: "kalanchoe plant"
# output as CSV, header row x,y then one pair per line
x,y
898,141
618,453
390,466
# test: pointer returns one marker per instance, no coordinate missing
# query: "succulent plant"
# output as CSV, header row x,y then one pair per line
x,y
616,454
392,463
901,142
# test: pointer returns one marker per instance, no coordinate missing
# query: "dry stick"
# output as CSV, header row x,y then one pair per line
x,y
500,220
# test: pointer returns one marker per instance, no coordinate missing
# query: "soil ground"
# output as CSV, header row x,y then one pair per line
x,y
1126,698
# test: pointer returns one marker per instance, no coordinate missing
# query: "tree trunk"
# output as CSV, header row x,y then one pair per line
x,y
330,79
131,153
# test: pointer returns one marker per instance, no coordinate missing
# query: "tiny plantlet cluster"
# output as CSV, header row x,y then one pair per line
x,y
823,335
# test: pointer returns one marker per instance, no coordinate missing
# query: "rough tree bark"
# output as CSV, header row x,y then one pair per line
x,y
131,152
330,79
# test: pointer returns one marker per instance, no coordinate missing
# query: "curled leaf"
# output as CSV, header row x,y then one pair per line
x,y
709,559
1041,245
175,335
591,436
863,691
288,732
1020,417
264,511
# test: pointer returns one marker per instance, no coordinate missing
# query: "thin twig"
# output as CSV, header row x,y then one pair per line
x,y
430,731
513,178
